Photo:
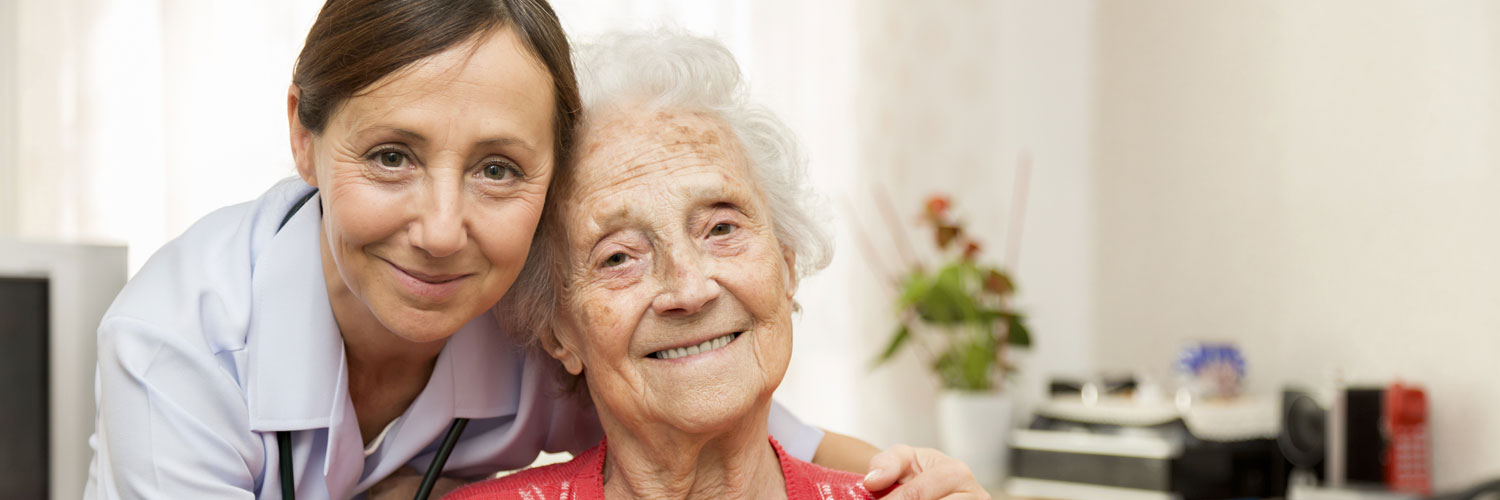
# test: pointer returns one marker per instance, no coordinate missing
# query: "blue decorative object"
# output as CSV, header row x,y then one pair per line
x,y
1211,369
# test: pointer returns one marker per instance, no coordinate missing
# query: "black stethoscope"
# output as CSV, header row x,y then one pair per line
x,y
284,438
289,488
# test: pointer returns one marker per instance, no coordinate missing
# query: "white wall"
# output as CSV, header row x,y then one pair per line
x,y
947,101
8,81
1315,181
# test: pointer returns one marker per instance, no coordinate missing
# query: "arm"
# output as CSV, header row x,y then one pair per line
x,y
844,453
165,421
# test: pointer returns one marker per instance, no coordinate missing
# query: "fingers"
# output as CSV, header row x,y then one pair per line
x,y
944,482
890,466
922,474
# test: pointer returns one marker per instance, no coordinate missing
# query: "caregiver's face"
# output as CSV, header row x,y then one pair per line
x,y
433,180
679,303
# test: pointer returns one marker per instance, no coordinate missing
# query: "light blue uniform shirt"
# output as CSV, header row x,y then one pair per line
x,y
226,337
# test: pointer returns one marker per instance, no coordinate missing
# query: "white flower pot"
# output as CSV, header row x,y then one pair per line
x,y
973,427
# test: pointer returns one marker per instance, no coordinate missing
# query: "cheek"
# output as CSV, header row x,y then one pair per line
x,y
504,230
597,316
766,287
360,215
607,320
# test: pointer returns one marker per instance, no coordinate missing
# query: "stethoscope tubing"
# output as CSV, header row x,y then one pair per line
x,y
434,469
288,482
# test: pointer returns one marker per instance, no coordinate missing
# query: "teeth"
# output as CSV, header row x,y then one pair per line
x,y
707,345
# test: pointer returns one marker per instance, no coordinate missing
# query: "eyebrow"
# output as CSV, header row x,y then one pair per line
x,y
619,217
611,221
412,136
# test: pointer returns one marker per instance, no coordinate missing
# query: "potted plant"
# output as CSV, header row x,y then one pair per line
x,y
958,313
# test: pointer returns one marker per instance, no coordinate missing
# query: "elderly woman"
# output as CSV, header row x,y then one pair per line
x,y
664,275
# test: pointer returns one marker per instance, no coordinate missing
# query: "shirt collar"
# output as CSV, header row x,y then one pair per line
x,y
294,350
487,365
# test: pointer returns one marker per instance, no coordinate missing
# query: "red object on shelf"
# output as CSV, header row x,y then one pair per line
x,y
1408,454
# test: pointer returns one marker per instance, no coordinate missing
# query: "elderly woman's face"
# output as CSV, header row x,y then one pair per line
x,y
679,303
432,182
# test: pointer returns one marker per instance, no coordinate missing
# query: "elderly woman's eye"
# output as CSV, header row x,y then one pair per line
x,y
615,259
721,229
500,171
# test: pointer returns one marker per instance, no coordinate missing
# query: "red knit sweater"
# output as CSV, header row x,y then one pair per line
x,y
583,479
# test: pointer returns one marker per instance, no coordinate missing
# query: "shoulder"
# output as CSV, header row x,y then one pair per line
x,y
196,288
577,478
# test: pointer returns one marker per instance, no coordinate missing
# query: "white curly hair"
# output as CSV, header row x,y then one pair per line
x,y
668,70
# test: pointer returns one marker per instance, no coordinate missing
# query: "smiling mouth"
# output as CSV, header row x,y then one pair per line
x,y
435,279
706,346
432,288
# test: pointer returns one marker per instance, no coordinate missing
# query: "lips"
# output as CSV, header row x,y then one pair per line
x,y
428,286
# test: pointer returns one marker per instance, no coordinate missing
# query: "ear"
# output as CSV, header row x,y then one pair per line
x,y
301,138
790,256
556,347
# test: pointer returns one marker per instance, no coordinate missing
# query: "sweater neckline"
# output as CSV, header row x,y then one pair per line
x,y
593,480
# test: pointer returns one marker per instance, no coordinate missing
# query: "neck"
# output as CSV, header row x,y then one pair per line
x,y
386,372
648,461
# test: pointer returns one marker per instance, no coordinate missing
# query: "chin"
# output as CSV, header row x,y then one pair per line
x,y
715,410
420,326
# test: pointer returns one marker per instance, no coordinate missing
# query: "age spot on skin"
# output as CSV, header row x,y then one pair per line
x,y
595,310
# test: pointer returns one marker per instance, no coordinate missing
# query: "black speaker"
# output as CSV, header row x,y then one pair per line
x,y
24,417
1306,425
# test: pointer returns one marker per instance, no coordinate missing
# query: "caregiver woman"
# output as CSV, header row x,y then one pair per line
x,y
347,310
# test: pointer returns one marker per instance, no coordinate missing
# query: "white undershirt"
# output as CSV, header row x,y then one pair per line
x,y
375,444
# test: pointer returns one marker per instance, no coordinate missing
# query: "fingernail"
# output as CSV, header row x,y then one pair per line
x,y
873,473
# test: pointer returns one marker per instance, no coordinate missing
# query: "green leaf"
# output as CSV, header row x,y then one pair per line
x,y
914,288
902,334
969,363
1016,332
989,316
948,298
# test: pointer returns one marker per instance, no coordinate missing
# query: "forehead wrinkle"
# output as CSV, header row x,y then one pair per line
x,y
625,173
638,153
622,148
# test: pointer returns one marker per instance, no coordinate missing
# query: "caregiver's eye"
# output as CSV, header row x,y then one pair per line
x,y
615,259
721,229
389,157
500,171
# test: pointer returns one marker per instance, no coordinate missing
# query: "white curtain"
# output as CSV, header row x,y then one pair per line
x,y
137,117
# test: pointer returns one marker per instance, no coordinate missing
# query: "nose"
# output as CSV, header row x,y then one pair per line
x,y
687,287
439,226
